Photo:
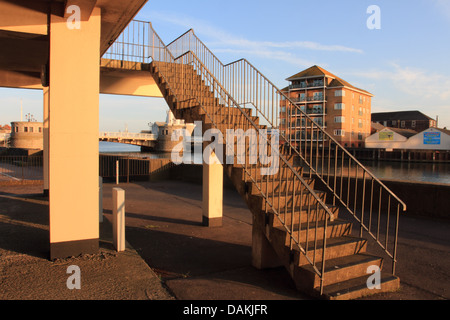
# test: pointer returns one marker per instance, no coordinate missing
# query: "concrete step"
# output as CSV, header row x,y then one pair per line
x,y
300,214
357,287
343,268
279,185
315,230
290,199
336,247
255,172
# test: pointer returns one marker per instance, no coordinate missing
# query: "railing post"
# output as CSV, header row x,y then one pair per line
x,y
128,169
117,171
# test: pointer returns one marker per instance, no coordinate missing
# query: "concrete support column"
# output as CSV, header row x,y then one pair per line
x,y
263,254
212,192
45,134
73,115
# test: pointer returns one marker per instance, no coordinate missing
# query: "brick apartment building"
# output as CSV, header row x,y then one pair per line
x,y
413,120
342,109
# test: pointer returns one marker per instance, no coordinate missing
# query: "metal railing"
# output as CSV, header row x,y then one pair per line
x,y
240,86
246,84
128,136
131,167
21,168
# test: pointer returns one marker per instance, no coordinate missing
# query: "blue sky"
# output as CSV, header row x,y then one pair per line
x,y
405,64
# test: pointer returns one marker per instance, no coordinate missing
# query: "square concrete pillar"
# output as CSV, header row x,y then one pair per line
x,y
118,219
45,144
263,254
212,193
73,126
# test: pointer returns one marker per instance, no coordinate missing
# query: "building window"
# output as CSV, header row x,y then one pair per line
x,y
339,93
339,106
402,124
16,129
301,97
360,137
413,123
40,129
339,119
25,129
318,96
360,123
339,133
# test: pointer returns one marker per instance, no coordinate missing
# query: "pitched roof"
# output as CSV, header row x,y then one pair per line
x,y
399,115
316,71
404,132
313,71
377,126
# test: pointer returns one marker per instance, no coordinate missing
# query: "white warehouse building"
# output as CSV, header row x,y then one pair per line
x,y
393,138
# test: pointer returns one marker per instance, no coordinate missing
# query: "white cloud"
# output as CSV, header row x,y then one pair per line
x,y
220,41
443,7
413,81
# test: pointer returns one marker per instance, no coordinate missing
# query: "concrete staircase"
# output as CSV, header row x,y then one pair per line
x,y
292,216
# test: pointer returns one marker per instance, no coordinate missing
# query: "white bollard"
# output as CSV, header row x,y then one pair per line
x,y
100,199
117,172
119,219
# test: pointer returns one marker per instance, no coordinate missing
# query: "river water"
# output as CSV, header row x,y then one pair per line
x,y
392,170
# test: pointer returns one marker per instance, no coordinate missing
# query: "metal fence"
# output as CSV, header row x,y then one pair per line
x,y
126,168
25,169
21,168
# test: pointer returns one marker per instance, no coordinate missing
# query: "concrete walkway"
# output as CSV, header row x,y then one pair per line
x,y
171,256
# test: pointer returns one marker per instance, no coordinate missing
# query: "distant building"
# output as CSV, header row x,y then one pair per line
x,y
343,110
5,129
407,139
5,133
414,120
27,135
164,131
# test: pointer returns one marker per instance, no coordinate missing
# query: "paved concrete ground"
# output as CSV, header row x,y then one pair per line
x,y
171,256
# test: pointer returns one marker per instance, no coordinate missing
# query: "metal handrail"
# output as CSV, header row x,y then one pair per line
x,y
240,83
231,102
191,31
189,41
217,86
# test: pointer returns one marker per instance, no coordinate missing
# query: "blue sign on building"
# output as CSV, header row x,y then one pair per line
x,y
432,138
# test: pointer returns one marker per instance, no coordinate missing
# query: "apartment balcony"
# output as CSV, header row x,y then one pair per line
x,y
318,98
310,112
303,124
308,85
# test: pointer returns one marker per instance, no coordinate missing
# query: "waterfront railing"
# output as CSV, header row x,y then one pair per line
x,y
21,168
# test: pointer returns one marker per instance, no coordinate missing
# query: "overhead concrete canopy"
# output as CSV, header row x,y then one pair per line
x,y
24,37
